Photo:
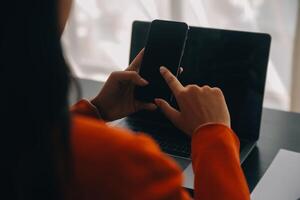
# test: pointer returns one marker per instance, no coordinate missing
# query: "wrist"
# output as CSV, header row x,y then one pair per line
x,y
97,105
209,124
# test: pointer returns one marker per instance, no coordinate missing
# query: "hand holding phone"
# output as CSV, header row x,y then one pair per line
x,y
165,47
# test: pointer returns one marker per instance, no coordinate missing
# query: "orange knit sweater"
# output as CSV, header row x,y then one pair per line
x,y
113,163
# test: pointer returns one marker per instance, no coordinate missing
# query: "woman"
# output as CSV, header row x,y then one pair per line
x,y
51,153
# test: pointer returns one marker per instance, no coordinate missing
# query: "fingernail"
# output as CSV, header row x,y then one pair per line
x,y
162,69
157,101
145,81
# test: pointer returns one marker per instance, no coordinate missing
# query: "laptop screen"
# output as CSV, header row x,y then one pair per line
x,y
234,61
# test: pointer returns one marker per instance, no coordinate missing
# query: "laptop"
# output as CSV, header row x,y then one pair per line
x,y
234,61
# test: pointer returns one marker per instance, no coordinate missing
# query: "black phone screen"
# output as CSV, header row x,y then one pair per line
x,y
164,47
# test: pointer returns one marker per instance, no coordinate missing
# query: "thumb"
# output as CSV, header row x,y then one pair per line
x,y
171,113
132,76
136,63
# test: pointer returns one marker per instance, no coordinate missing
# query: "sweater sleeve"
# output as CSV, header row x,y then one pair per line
x,y
85,107
216,164
162,178
112,163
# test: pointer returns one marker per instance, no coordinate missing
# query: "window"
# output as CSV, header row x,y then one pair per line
x,y
97,37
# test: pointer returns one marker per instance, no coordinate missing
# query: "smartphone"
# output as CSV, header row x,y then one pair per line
x,y
164,47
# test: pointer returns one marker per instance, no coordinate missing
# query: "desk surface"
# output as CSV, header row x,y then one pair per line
x,y
279,129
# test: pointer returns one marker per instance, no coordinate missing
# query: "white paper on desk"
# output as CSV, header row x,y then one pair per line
x,y
282,179
188,174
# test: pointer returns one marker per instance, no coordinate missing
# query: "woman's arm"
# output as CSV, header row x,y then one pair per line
x,y
216,164
203,114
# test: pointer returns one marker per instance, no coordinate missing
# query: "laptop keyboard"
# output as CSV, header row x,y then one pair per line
x,y
182,149
170,139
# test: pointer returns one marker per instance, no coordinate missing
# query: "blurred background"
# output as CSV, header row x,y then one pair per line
x,y
97,38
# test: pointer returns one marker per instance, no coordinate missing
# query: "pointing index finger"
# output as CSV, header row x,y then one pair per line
x,y
171,80
136,63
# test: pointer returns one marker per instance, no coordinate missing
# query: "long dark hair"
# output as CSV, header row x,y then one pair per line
x,y
34,86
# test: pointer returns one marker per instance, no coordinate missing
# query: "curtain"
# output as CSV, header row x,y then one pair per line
x,y
97,37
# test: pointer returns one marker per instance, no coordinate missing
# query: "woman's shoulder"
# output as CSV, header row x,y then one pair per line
x,y
103,154
87,132
85,126
97,140
93,135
